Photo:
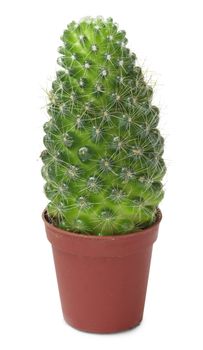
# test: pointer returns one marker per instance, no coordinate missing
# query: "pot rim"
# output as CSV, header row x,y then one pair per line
x,y
107,237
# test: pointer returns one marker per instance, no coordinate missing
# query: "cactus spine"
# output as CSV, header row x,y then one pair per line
x,y
103,162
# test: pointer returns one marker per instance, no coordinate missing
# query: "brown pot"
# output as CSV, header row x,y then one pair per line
x,y
102,280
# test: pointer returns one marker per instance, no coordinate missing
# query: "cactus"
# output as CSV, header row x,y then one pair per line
x,y
103,162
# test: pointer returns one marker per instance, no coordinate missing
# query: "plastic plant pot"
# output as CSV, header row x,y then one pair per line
x,y
102,280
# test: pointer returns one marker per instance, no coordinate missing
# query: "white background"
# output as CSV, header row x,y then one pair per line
x,y
167,38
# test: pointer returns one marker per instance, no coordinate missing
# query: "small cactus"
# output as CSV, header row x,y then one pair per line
x,y
103,162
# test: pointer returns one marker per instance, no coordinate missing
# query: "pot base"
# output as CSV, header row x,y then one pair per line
x,y
104,330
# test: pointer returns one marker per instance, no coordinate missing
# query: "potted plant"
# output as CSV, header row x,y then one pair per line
x,y
103,168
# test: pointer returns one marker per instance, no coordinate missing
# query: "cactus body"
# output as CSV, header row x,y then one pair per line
x,y
103,161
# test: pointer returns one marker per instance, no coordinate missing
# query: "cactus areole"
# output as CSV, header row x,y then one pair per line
x,y
103,162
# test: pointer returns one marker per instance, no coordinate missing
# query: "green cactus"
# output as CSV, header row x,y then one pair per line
x,y
103,162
